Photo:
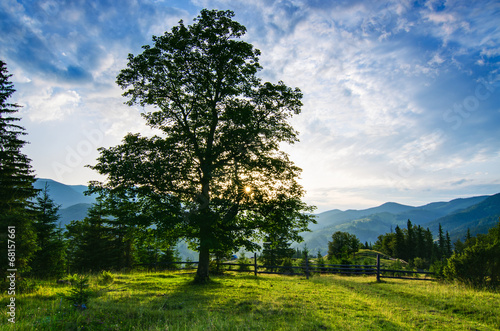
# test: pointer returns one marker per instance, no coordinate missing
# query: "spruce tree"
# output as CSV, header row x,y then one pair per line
x,y
420,243
276,250
411,241
49,260
399,244
430,251
92,245
16,186
441,242
448,247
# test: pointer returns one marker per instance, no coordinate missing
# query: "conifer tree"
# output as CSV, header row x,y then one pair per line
x,y
16,185
441,242
420,242
91,243
410,242
430,250
448,248
399,244
49,260
276,250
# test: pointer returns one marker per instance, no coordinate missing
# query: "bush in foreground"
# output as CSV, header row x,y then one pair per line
x,y
478,264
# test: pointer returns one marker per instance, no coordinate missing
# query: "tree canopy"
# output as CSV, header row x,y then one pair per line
x,y
216,174
343,244
477,262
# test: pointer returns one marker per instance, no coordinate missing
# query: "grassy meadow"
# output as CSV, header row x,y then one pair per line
x,y
238,301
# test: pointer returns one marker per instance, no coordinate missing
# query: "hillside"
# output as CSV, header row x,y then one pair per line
x,y
74,212
478,218
368,224
65,195
336,217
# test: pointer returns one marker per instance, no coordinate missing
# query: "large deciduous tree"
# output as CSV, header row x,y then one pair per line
x,y
218,160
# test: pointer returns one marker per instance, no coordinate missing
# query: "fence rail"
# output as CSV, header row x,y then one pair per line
x,y
308,268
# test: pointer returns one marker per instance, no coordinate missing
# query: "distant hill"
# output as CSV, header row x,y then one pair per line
x,y
445,208
336,217
479,218
368,224
73,213
65,195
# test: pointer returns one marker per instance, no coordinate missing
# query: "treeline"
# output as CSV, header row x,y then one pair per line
x,y
415,245
476,261
117,233
95,244
102,241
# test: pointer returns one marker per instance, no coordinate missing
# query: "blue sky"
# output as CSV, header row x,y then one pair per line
x,y
401,98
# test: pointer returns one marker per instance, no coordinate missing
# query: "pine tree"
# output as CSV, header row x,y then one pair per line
x,y
410,241
399,244
420,243
49,260
16,185
91,243
441,242
468,236
276,250
448,247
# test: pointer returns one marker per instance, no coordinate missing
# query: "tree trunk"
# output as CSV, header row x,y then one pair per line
x,y
202,275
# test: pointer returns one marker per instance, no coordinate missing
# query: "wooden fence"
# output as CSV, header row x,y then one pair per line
x,y
309,268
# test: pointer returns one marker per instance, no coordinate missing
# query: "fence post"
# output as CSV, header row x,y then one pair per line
x,y
378,268
307,267
255,263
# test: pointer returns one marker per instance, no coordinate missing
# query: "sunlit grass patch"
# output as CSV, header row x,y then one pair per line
x,y
160,301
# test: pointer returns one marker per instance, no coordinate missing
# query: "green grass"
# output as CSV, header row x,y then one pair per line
x,y
168,301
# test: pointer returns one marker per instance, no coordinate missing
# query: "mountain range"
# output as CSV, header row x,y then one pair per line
x,y
71,199
478,214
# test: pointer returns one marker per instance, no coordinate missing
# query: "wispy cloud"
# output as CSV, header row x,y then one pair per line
x,y
400,97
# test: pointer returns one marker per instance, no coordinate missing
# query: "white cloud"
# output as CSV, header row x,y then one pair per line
x,y
51,105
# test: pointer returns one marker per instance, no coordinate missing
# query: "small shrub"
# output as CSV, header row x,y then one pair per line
x,y
396,265
243,263
215,268
106,278
80,293
438,268
286,266
320,264
27,285
72,279
366,262
420,263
